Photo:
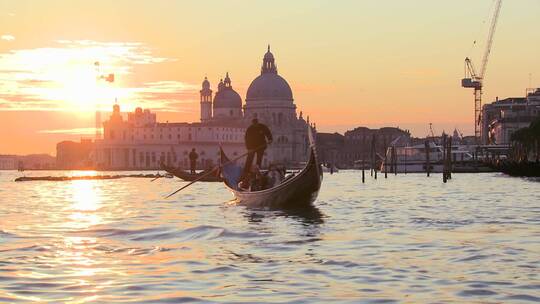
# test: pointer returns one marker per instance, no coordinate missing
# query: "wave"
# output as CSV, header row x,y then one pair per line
x,y
201,232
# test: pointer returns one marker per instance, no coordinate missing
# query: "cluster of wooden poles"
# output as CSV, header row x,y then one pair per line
x,y
447,160
447,157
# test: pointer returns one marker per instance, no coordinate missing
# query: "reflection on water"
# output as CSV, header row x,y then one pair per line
x,y
407,238
307,216
84,202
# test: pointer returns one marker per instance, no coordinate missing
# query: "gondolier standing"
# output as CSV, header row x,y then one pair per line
x,y
257,137
193,161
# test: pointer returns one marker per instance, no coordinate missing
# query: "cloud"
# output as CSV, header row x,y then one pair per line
x,y
166,95
7,37
76,131
64,78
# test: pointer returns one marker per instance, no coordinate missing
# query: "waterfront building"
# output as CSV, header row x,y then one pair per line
x,y
356,145
141,142
29,162
8,162
329,147
74,155
505,116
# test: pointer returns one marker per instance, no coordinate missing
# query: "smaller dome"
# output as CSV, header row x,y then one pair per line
x,y
227,98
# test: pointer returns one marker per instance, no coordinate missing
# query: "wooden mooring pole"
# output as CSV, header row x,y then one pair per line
x,y
395,159
427,158
450,159
386,163
444,160
363,174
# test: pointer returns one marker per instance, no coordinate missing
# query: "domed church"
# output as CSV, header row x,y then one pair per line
x,y
140,142
270,99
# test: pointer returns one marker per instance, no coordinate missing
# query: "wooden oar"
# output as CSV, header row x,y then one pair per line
x,y
214,169
158,175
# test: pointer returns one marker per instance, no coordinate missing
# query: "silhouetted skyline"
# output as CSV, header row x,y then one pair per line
x,y
350,63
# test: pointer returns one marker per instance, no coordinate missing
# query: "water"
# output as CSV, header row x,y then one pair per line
x,y
406,239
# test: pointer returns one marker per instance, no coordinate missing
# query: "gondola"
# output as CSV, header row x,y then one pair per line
x,y
188,177
296,191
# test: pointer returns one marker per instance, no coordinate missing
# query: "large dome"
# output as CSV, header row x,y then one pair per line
x,y
269,86
227,98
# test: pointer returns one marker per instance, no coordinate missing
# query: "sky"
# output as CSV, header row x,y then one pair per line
x,y
349,63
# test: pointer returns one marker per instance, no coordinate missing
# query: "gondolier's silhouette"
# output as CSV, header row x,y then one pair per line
x,y
257,137
193,161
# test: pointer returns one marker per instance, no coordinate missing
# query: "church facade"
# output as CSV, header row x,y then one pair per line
x,y
141,142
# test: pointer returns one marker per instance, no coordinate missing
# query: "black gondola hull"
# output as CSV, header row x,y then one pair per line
x,y
188,177
298,191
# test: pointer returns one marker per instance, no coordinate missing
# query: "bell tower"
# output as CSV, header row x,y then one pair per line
x,y
206,101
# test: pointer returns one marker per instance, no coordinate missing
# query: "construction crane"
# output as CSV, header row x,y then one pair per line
x,y
475,80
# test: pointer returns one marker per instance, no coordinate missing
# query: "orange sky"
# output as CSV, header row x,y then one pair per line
x,y
349,63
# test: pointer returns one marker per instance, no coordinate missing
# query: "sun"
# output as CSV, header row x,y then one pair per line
x,y
81,88
76,78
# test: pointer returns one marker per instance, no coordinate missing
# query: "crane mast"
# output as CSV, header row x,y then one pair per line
x,y
474,80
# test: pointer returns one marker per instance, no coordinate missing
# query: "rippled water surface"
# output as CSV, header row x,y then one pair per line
x,y
407,239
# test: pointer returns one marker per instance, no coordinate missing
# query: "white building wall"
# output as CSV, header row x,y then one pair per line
x,y
8,163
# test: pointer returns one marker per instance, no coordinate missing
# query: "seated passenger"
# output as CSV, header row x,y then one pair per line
x,y
274,176
255,181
